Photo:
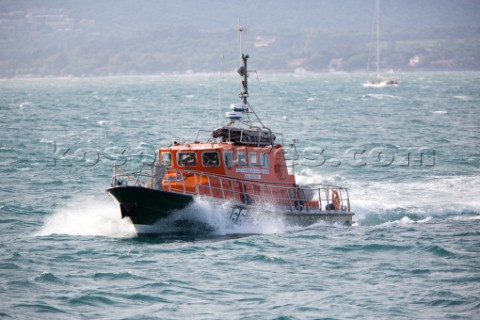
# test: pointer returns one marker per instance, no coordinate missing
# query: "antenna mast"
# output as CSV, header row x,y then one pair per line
x,y
243,71
253,135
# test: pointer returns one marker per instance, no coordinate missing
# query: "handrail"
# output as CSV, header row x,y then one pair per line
x,y
297,198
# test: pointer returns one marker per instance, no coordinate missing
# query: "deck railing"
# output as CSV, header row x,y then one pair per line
x,y
301,198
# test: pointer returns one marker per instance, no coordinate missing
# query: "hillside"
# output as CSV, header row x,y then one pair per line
x,y
108,37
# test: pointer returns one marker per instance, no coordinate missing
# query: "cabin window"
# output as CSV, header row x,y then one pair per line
x,y
186,159
210,159
228,158
242,159
264,160
252,159
167,159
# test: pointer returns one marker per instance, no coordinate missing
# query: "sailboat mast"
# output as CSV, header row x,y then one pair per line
x,y
378,39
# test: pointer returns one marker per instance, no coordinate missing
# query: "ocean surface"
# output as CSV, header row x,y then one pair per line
x,y
410,156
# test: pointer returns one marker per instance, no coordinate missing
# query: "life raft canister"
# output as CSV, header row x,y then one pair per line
x,y
336,199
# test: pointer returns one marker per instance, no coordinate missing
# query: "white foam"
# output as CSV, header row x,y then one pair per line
x,y
88,216
466,217
380,96
463,98
404,221
427,219
262,220
433,196
26,104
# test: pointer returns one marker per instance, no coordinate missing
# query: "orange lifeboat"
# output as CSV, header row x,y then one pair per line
x,y
241,165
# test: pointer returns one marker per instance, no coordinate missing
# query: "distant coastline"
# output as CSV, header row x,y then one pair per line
x,y
361,75
76,40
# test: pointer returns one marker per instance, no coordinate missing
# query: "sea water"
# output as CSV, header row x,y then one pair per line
x,y
410,156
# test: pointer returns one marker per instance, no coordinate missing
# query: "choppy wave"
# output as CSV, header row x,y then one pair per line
x,y
443,196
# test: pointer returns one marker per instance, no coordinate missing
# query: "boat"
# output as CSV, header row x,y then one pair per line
x,y
380,81
240,167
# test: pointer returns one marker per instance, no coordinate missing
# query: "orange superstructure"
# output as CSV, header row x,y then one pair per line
x,y
245,166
